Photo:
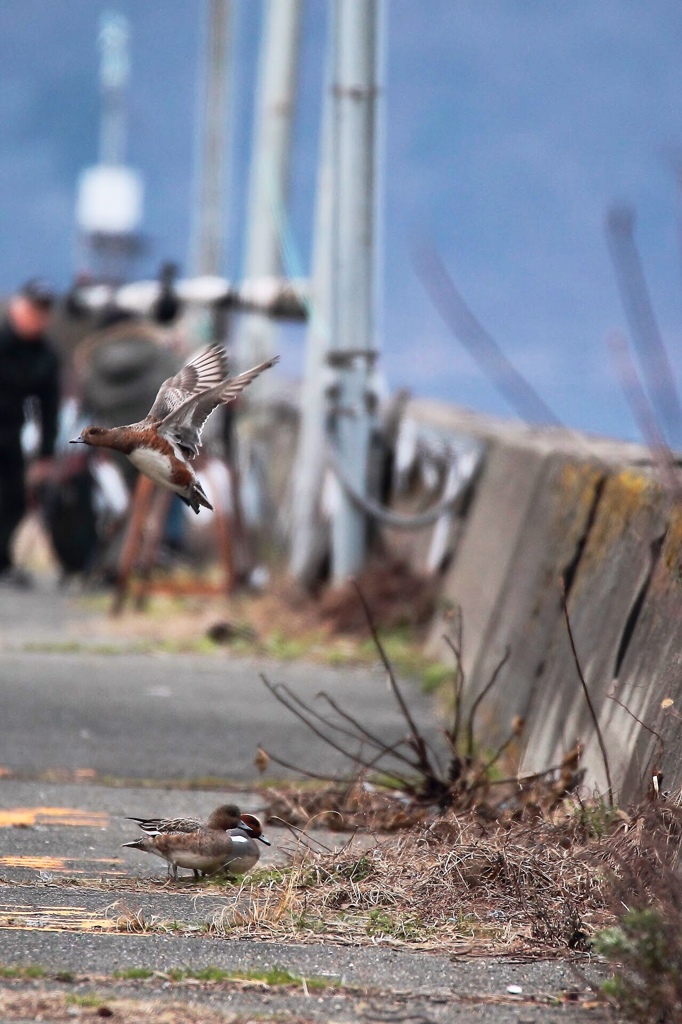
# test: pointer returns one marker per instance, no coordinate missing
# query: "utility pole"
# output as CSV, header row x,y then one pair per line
x,y
114,43
109,203
310,456
269,167
209,242
352,352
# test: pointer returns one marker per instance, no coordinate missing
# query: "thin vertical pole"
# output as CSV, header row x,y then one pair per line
x,y
355,102
270,161
209,243
309,466
114,40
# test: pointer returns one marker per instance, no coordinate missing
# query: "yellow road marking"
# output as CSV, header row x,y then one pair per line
x,y
14,816
69,864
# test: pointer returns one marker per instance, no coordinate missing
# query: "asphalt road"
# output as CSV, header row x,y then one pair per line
x,y
162,716
181,717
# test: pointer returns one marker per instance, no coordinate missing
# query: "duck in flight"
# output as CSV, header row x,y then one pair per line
x,y
161,445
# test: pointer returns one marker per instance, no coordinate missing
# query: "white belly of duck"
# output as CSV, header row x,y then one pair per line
x,y
157,467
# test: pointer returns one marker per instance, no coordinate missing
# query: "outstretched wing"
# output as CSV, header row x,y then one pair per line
x,y
185,422
205,371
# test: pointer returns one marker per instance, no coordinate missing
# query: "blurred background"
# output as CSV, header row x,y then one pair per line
x,y
506,131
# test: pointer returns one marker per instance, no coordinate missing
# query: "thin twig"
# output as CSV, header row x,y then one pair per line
x,y
274,690
302,834
522,780
368,765
590,705
303,771
482,772
638,720
475,706
643,413
379,744
639,311
328,722
458,686
418,740
384,749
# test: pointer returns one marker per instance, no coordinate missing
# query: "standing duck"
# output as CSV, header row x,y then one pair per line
x,y
207,851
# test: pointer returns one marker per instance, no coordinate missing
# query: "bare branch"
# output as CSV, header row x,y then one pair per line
x,y
482,772
300,834
418,743
303,771
275,691
458,686
590,705
482,695
525,779
371,738
278,689
638,720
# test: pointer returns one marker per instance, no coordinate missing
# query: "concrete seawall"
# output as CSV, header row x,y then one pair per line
x,y
550,504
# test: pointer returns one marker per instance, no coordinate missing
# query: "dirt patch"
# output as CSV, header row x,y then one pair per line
x,y
396,595
22,1005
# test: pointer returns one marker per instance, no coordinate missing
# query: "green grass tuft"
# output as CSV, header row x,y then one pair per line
x,y
22,971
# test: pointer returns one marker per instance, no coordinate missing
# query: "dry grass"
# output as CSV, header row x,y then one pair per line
x,y
532,888
457,883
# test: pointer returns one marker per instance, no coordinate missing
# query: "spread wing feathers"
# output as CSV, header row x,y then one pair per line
x,y
205,371
185,422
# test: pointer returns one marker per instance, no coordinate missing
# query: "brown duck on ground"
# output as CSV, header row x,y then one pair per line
x,y
207,851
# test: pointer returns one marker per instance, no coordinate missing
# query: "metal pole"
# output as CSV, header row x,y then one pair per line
x,y
114,39
269,165
309,466
355,100
209,243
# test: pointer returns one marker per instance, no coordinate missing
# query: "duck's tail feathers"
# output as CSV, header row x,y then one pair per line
x,y
197,499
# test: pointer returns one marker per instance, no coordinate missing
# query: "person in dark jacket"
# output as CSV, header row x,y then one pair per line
x,y
28,369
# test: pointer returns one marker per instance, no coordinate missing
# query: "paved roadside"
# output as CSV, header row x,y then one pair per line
x,y
162,716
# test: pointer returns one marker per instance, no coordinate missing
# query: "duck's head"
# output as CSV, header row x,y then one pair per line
x,y
251,825
224,817
93,436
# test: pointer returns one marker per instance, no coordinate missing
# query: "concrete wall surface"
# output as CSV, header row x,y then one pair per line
x,y
551,504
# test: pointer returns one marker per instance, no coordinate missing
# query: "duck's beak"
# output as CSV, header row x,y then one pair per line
x,y
263,840
77,440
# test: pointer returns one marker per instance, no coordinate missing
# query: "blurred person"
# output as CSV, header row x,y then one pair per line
x,y
29,369
167,306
